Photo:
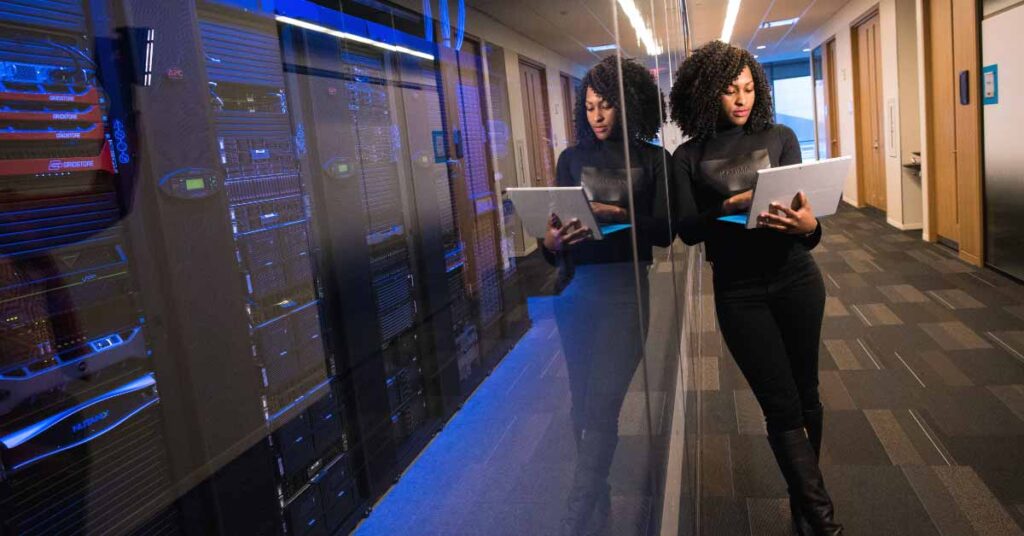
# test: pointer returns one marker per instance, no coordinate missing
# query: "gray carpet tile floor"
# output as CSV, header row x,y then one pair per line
x,y
922,378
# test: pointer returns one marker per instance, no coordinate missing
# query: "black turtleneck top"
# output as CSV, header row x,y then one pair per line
x,y
600,167
709,172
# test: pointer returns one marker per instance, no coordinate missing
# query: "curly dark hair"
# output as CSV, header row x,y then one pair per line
x,y
704,77
643,99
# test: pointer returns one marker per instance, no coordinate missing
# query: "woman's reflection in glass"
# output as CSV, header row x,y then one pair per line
x,y
599,309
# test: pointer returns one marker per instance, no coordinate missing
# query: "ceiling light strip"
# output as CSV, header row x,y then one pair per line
x,y
643,32
777,23
352,37
731,13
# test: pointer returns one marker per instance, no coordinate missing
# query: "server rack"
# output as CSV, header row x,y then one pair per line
x,y
347,112
81,439
309,308
270,214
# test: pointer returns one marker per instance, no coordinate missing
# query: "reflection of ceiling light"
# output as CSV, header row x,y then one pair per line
x,y
602,48
731,13
643,33
352,37
777,23
762,47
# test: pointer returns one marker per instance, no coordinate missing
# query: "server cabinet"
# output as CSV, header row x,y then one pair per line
x,y
347,110
82,442
247,268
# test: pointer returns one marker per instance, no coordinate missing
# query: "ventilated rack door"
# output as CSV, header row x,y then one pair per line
x,y
480,184
81,447
267,207
376,130
270,218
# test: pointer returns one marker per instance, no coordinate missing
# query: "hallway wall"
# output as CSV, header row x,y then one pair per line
x,y
903,200
515,45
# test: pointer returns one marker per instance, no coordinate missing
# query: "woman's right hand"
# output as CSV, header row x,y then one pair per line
x,y
558,236
738,203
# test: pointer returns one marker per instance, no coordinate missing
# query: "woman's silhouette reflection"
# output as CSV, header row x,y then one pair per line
x,y
601,312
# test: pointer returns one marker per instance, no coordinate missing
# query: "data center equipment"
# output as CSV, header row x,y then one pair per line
x,y
247,268
269,209
78,395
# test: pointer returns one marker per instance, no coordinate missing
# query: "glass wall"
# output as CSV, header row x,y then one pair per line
x,y
262,272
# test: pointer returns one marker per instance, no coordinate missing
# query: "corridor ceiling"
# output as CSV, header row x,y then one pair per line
x,y
783,42
568,27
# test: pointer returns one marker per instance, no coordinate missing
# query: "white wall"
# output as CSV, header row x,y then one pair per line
x,y
989,7
902,202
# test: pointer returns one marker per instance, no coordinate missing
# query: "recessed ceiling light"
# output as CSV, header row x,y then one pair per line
x,y
602,48
777,23
731,12
807,50
762,47
756,56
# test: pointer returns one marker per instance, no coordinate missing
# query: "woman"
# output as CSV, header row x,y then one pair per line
x,y
769,293
599,309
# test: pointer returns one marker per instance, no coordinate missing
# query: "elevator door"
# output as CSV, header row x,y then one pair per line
x,y
868,65
1004,197
538,124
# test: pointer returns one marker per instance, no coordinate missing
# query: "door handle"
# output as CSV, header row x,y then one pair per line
x,y
965,86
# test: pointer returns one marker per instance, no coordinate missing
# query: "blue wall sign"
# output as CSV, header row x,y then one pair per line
x,y
990,85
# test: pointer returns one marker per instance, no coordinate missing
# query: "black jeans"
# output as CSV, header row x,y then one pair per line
x,y
771,322
598,317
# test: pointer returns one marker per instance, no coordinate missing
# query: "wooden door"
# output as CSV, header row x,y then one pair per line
x,y
570,85
941,110
539,144
868,104
831,87
967,110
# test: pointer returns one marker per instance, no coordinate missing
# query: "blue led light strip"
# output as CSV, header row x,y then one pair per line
x,y
119,422
353,37
21,436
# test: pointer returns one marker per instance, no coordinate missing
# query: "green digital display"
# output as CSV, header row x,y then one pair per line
x,y
194,184
342,168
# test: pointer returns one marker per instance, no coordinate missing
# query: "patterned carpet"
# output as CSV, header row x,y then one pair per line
x,y
922,378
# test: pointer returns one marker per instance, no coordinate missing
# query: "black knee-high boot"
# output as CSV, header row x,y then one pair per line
x,y
813,423
799,465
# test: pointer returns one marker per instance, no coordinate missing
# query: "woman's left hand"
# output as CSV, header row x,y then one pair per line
x,y
606,213
798,220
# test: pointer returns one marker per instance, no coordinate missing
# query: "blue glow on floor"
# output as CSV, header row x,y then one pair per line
x,y
470,478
